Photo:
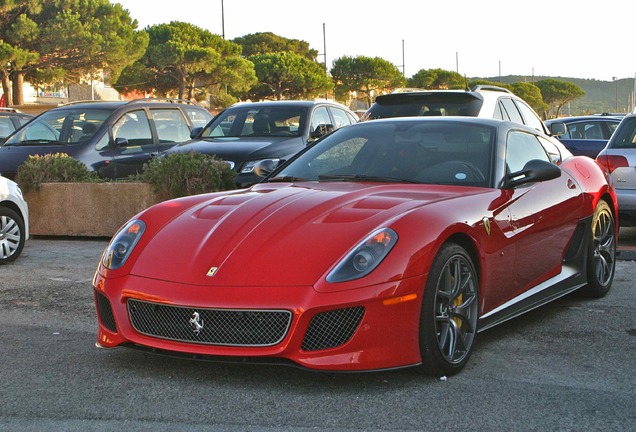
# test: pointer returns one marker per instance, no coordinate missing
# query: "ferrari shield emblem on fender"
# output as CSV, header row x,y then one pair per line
x,y
486,225
212,271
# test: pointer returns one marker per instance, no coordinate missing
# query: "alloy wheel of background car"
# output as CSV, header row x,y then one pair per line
x,y
448,322
11,235
602,256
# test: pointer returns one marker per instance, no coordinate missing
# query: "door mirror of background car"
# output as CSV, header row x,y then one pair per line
x,y
264,167
120,142
558,129
195,132
534,171
321,130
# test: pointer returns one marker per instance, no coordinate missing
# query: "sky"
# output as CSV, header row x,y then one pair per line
x,y
477,38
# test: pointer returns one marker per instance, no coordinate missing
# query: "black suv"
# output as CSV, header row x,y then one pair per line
x,y
249,132
480,101
114,139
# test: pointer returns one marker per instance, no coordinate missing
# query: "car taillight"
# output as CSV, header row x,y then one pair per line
x,y
612,162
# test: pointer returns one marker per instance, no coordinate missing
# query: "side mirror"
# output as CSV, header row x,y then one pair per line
x,y
195,132
321,130
264,167
558,129
120,142
534,171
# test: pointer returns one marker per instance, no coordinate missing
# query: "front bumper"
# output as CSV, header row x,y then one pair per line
x,y
369,328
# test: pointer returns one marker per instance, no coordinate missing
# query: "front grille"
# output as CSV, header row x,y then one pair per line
x,y
333,328
210,326
105,312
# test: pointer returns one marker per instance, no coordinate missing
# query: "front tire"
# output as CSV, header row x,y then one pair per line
x,y
601,260
11,235
450,307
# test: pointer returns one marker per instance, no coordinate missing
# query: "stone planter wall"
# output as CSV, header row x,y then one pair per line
x,y
85,209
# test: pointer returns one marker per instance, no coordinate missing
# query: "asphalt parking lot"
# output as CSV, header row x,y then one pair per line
x,y
568,366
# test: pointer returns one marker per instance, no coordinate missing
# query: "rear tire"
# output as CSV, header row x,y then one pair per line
x,y
601,260
450,307
11,235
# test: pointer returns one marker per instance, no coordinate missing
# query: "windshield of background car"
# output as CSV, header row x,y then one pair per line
x,y
431,152
65,126
428,104
625,135
258,122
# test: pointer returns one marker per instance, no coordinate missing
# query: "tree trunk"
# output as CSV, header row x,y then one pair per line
x,y
18,81
6,88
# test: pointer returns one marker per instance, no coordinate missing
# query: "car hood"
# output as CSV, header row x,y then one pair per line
x,y
273,234
232,148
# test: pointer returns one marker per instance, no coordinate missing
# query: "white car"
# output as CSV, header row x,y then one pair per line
x,y
14,221
484,101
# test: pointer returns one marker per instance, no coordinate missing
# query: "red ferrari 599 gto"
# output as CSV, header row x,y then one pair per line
x,y
386,244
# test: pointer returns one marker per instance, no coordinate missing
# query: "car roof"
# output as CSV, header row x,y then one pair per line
x,y
585,117
290,103
116,104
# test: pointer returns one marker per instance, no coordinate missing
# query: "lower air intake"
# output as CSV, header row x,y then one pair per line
x,y
333,328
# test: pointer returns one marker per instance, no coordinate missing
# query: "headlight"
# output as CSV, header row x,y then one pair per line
x,y
365,257
122,245
248,167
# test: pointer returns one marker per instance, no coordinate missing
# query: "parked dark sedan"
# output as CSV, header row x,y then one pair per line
x,y
10,120
586,135
114,139
247,133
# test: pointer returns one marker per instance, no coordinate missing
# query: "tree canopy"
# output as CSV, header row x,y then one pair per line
x,y
365,75
437,79
557,93
44,41
267,42
184,59
286,75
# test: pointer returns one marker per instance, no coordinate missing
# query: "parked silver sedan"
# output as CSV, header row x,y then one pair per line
x,y
14,221
619,158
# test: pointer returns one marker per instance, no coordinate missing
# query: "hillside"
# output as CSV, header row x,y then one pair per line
x,y
600,96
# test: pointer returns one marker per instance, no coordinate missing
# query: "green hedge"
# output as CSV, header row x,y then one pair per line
x,y
177,175
52,168
187,173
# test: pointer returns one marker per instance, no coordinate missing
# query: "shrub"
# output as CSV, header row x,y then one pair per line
x,y
52,168
187,173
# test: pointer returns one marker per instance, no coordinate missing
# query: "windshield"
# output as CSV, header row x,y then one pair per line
x,y
428,104
250,121
625,135
61,126
432,152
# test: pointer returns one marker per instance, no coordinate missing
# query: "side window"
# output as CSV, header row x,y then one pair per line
x,y
171,125
553,151
6,127
319,117
509,107
133,126
530,116
103,142
499,113
339,117
198,117
586,130
522,147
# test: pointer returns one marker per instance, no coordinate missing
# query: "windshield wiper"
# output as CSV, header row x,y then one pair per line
x,y
286,179
363,178
35,141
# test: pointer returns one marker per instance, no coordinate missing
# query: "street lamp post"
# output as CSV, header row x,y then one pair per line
x,y
616,84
